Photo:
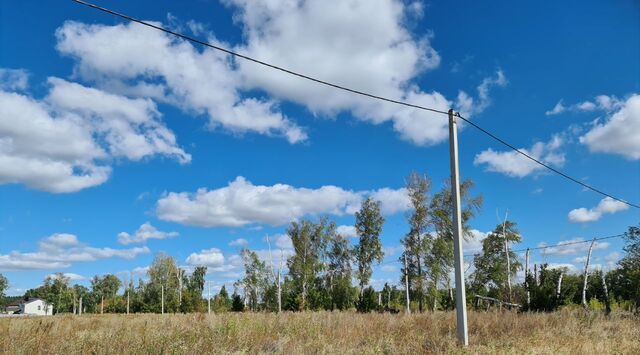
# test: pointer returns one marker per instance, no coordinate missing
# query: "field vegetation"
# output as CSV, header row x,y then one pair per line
x,y
564,332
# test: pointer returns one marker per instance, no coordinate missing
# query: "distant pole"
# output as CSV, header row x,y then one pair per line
x,y
208,297
162,299
506,251
102,304
80,306
526,278
461,307
586,276
406,283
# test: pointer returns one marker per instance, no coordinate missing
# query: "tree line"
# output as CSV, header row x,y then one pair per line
x,y
326,272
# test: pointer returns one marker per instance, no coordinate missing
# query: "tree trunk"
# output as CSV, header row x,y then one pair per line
x,y
586,276
607,303
559,290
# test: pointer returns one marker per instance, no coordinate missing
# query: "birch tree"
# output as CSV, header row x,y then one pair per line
x,y
369,222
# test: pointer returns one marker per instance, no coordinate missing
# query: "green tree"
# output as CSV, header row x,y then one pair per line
x,y
237,304
630,265
338,276
491,265
369,222
439,255
256,279
416,241
4,284
162,276
196,281
105,289
305,265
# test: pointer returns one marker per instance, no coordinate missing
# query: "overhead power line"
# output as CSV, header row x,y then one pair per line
x,y
354,91
561,244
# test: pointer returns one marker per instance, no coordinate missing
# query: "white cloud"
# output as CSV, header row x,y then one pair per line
x,y
566,247
606,206
69,275
242,203
473,244
469,106
61,250
208,257
362,44
240,242
599,103
13,79
620,133
283,241
389,268
145,232
63,142
347,231
557,109
512,163
171,70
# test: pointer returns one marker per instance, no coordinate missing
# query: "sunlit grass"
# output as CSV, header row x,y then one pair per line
x,y
321,332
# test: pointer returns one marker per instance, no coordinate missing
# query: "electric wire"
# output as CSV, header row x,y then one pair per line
x,y
354,91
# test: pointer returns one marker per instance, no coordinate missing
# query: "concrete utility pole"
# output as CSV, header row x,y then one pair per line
x,y
406,283
208,297
80,307
586,276
162,299
461,302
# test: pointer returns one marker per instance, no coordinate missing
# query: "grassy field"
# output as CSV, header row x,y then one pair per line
x,y
322,332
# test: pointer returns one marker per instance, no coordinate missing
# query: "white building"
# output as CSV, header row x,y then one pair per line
x,y
32,306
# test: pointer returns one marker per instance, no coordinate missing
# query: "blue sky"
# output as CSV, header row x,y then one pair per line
x,y
109,128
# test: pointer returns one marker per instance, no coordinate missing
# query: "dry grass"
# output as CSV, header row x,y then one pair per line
x,y
295,333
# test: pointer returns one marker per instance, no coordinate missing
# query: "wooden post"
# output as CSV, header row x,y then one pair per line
x,y
526,279
586,276
607,302
406,283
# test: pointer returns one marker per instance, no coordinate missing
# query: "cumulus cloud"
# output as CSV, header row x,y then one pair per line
x,y
362,44
63,142
473,244
240,242
469,106
620,132
173,71
145,232
70,276
61,250
599,103
514,164
347,231
606,206
212,258
13,79
572,246
242,203
557,109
